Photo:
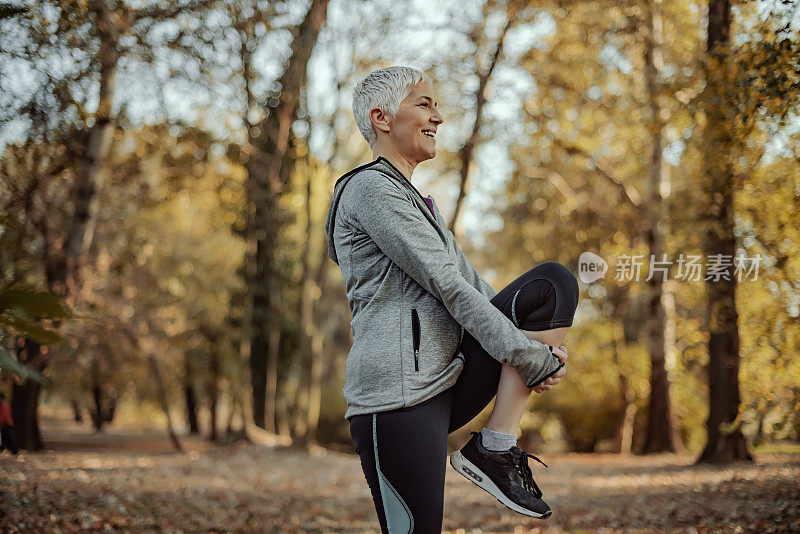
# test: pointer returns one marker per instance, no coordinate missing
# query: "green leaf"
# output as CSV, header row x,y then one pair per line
x,y
32,330
32,302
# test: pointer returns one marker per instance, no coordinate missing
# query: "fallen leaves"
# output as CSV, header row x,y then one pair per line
x,y
139,487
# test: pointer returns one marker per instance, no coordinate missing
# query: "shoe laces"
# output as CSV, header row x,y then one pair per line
x,y
524,470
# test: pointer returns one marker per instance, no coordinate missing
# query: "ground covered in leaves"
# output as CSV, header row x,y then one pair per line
x,y
120,482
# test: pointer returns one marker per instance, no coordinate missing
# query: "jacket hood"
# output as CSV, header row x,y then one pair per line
x,y
380,164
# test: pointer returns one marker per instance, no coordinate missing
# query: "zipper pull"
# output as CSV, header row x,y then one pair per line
x,y
416,359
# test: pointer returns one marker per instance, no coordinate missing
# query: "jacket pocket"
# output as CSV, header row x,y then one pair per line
x,y
415,330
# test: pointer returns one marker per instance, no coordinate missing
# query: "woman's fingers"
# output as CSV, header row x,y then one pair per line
x,y
546,385
560,353
561,372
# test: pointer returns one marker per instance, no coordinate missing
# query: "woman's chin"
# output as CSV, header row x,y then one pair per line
x,y
421,154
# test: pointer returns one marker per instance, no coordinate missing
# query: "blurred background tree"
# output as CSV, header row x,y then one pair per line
x,y
166,170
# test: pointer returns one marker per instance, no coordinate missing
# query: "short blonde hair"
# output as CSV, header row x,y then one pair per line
x,y
385,89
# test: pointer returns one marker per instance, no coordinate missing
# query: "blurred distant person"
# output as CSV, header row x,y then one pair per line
x,y
6,426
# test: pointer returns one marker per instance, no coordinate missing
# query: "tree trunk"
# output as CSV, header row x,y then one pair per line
x,y
233,406
266,168
162,395
189,394
77,415
299,408
97,413
758,439
254,433
25,400
725,440
671,353
317,368
315,385
795,418
62,268
191,407
312,338
92,160
303,433
660,434
271,410
110,409
623,437
283,413
90,169
213,395
259,357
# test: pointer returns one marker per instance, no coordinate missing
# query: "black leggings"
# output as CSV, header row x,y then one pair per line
x,y
404,451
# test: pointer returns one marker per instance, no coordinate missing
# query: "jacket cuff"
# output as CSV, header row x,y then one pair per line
x,y
536,372
545,377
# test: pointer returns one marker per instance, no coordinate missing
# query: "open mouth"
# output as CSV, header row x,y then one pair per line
x,y
429,133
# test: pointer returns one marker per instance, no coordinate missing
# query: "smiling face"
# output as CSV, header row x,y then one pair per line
x,y
412,130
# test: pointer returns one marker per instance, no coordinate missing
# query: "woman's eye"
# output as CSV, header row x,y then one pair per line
x,y
424,104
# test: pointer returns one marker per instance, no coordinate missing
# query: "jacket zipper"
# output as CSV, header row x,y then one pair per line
x,y
416,333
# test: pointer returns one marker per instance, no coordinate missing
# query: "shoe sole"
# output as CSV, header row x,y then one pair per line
x,y
479,478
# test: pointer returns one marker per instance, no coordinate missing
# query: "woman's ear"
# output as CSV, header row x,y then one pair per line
x,y
380,119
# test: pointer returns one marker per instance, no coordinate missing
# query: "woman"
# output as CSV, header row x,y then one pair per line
x,y
433,343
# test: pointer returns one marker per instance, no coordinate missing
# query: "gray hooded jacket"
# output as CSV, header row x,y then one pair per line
x,y
412,293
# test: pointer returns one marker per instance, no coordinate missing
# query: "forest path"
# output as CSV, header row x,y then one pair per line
x,y
135,483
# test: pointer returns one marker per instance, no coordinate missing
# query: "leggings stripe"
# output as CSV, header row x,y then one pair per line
x,y
398,516
514,308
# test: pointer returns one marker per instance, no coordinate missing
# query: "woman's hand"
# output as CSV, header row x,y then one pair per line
x,y
561,354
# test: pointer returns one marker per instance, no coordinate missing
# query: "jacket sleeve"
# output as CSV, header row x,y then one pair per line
x,y
469,272
387,213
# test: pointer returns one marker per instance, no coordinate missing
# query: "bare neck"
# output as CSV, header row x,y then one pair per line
x,y
404,165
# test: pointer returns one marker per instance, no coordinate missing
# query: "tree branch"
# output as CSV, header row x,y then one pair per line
x,y
573,198
627,191
9,10
170,11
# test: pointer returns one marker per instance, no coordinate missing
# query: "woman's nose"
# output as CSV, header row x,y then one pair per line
x,y
437,117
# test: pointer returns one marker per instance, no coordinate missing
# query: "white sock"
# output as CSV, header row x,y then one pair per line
x,y
497,441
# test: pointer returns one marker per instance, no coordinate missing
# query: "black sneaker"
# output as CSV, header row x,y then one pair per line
x,y
504,474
